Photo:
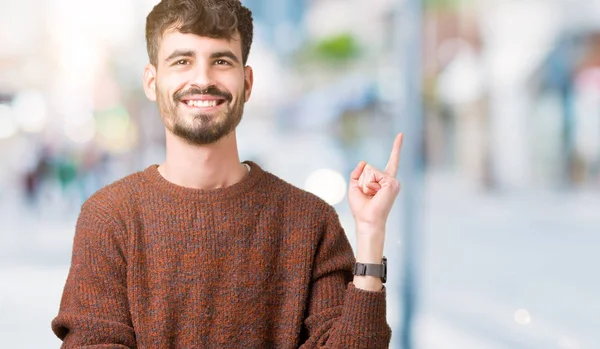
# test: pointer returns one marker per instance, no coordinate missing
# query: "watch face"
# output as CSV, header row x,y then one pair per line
x,y
384,277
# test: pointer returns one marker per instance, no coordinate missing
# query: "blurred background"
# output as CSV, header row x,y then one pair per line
x,y
494,240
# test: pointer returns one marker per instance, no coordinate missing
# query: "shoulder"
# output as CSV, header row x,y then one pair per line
x,y
114,200
299,200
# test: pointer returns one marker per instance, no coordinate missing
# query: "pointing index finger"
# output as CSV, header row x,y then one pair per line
x,y
392,166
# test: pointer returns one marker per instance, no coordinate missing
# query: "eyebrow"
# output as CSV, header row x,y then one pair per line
x,y
192,54
181,53
227,54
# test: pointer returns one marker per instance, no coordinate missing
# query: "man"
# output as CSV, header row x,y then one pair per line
x,y
206,252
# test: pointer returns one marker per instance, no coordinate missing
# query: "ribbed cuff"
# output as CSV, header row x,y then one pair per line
x,y
364,312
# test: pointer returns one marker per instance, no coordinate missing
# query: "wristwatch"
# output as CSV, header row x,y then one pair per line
x,y
377,270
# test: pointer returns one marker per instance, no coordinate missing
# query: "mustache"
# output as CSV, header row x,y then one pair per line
x,y
210,90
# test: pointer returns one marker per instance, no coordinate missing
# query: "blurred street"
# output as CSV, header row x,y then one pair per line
x,y
485,257
488,256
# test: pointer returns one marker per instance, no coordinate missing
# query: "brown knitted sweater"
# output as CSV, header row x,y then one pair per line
x,y
259,264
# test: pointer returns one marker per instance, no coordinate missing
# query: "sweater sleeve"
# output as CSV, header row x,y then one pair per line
x,y
94,311
340,315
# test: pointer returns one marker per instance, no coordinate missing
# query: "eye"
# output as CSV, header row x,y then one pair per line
x,y
222,62
182,62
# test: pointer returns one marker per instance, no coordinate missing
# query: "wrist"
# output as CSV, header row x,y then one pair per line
x,y
370,276
369,253
369,227
370,242
368,283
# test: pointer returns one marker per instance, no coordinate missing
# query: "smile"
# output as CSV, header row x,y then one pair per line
x,y
204,104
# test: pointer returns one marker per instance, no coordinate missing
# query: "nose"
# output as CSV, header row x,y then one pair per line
x,y
202,76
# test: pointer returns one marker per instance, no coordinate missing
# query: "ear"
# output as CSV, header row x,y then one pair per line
x,y
248,81
150,82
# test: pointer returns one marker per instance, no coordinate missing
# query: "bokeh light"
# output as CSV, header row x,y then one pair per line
x,y
30,111
522,317
8,126
81,130
327,184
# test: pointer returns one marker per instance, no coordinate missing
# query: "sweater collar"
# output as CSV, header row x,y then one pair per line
x,y
249,181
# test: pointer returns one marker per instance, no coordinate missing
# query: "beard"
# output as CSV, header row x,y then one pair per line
x,y
197,128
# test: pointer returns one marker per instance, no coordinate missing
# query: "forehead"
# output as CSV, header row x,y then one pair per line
x,y
173,39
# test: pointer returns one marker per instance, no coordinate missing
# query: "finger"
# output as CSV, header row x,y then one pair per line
x,y
391,168
372,188
355,175
364,178
368,180
373,185
370,192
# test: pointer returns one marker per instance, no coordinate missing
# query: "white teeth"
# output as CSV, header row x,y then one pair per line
x,y
199,104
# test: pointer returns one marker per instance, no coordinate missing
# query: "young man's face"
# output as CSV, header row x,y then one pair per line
x,y
200,85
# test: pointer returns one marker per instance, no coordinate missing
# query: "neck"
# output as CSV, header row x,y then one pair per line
x,y
205,167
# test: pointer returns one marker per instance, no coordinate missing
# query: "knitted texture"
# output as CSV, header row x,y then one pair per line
x,y
259,264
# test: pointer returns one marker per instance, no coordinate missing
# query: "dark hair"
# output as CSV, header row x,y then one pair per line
x,y
210,18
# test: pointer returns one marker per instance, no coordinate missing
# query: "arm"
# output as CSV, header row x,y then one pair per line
x,y
354,318
369,250
339,314
94,311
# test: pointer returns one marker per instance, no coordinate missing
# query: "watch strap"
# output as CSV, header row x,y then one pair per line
x,y
376,270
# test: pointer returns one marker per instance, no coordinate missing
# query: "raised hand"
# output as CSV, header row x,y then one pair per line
x,y
372,192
